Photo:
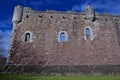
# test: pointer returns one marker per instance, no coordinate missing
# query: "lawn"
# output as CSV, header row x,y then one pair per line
x,y
36,77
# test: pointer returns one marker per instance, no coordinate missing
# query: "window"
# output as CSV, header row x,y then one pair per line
x,y
115,19
40,16
106,20
51,16
27,16
63,36
75,18
63,17
88,33
27,36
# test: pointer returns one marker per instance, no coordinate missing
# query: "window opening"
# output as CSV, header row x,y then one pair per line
x,y
27,16
27,37
88,33
63,37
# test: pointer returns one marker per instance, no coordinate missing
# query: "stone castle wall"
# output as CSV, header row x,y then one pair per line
x,y
45,49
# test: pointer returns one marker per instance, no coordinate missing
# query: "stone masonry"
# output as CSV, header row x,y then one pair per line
x,y
45,54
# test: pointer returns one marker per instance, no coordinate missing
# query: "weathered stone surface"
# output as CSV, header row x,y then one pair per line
x,y
65,70
46,50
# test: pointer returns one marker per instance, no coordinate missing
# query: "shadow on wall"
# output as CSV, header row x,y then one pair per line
x,y
2,62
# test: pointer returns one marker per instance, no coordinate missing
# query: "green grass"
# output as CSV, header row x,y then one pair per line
x,y
36,77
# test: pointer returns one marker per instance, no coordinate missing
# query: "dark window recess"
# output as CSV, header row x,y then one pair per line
x,y
27,37
63,17
115,19
40,16
106,20
51,16
75,18
27,16
85,18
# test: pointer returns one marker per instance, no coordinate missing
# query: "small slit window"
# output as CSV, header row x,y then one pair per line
x,y
63,36
40,16
63,17
106,20
51,16
115,19
75,18
27,16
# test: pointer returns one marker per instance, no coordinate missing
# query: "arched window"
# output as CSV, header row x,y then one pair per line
x,y
63,36
88,34
87,31
27,36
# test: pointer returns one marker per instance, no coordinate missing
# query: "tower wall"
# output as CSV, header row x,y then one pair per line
x,y
45,54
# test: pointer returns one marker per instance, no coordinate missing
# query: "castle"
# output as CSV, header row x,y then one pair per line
x,y
64,43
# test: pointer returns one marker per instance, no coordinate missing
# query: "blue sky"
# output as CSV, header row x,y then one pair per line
x,y
7,7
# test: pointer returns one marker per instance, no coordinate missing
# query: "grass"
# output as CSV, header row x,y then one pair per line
x,y
36,77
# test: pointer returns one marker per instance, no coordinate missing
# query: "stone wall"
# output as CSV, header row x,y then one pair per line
x,y
46,50
65,70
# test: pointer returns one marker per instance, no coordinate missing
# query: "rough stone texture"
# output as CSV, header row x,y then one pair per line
x,y
46,50
66,70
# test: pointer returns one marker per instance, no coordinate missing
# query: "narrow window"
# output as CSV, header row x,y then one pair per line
x,y
63,17
106,20
75,18
88,33
40,16
63,37
51,16
115,19
27,37
27,16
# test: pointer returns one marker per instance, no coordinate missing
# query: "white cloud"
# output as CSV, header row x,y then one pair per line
x,y
5,32
4,42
